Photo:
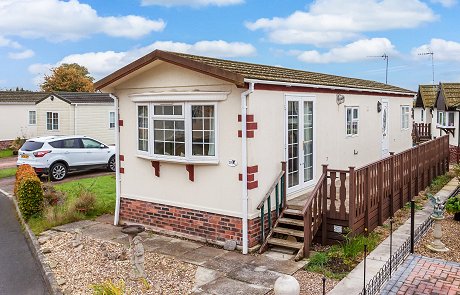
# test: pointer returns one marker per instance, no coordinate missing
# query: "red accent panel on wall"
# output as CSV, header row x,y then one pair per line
x,y
120,123
253,184
191,171
249,118
253,169
122,170
249,133
122,157
251,126
250,177
156,167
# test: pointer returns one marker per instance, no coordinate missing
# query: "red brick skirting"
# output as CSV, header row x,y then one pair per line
x,y
189,222
454,154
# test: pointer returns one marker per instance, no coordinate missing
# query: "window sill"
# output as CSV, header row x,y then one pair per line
x,y
179,161
444,127
351,136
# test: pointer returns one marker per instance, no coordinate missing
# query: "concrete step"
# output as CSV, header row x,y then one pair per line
x,y
290,221
285,243
293,212
289,232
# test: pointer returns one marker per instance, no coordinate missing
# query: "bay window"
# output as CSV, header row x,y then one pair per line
x,y
177,131
446,118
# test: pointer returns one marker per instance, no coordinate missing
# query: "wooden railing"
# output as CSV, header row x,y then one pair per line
x,y
278,189
373,193
421,132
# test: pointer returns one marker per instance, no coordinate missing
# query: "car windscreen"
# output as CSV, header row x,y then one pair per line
x,y
30,145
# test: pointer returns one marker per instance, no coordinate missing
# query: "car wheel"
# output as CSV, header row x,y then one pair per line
x,y
111,166
58,171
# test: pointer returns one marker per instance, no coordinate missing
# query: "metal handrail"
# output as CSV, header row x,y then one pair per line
x,y
271,189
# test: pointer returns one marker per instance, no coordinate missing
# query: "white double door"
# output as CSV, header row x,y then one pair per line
x,y
300,141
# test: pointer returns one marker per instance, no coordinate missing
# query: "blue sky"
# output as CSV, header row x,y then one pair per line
x,y
327,36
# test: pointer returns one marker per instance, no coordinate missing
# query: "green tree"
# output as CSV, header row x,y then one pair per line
x,y
68,77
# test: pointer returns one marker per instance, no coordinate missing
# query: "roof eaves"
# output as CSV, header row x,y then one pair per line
x,y
172,58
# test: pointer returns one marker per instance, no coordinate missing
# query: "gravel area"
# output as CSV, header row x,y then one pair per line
x,y
76,270
450,236
311,282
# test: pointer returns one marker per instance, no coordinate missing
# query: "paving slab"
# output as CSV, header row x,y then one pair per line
x,y
224,265
103,231
177,247
227,286
204,276
70,227
257,275
200,255
280,263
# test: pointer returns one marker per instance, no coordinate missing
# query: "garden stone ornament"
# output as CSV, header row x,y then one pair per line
x,y
137,259
438,207
76,242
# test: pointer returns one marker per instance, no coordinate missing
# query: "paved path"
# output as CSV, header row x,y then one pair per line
x,y
9,162
19,271
423,275
353,282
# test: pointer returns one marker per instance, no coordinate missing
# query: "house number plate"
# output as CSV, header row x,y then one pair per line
x,y
338,229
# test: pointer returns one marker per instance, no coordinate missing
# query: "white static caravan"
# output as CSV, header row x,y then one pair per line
x,y
192,128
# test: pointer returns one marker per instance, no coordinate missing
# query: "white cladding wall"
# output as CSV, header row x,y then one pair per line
x,y
93,121
216,187
66,117
14,121
331,145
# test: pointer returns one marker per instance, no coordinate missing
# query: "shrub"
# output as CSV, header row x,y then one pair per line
x,y
51,195
23,171
453,204
86,200
17,143
109,288
30,196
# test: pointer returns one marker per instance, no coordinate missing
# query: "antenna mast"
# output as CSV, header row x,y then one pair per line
x,y
385,57
430,52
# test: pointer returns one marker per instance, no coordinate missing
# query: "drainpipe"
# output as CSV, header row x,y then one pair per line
x,y
116,218
244,164
75,119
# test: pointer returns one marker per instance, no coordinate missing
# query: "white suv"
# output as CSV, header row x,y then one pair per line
x,y
57,155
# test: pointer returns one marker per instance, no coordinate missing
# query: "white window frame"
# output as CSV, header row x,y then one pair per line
x,y
405,118
35,118
187,117
448,122
441,118
52,121
353,120
114,120
140,152
422,116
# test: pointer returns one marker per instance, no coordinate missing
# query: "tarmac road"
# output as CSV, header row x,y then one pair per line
x,y
19,271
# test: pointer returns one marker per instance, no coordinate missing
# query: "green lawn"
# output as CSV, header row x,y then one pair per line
x,y
6,153
104,189
7,172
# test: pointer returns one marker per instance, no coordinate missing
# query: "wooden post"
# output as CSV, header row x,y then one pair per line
x,y
366,200
411,195
351,199
380,179
392,180
307,233
417,171
324,200
284,188
401,181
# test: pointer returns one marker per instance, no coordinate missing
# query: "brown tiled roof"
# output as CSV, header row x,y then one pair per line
x,y
21,97
85,97
451,93
426,96
236,72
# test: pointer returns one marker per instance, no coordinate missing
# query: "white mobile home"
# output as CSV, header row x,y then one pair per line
x,y
71,113
192,128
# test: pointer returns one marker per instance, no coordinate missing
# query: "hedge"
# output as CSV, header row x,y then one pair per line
x,y
29,192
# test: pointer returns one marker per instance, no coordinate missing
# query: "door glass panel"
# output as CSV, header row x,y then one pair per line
x,y
293,143
308,141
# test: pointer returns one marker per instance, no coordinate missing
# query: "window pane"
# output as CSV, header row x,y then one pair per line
x,y
355,113
209,150
158,110
197,111
179,149
168,110
159,148
197,124
197,149
197,136
178,110
208,111
180,136
159,135
143,124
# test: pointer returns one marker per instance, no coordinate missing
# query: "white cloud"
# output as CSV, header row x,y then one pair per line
x,y
100,64
359,50
331,21
445,3
194,3
4,42
22,54
443,50
68,20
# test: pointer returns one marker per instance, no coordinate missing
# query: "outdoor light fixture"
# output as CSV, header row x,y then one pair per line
x,y
379,106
